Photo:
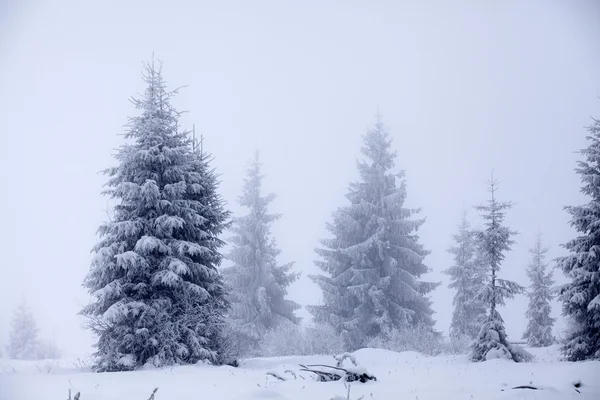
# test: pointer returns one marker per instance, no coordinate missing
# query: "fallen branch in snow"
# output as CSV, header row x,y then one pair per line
x,y
347,375
576,384
326,366
323,376
526,387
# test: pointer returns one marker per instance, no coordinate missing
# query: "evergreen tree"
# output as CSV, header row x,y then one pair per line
x,y
374,261
539,327
495,241
258,285
467,278
157,294
581,296
23,342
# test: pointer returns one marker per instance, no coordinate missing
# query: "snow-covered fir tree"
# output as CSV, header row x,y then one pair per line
x,y
373,263
581,296
540,323
23,340
157,294
467,276
495,240
258,284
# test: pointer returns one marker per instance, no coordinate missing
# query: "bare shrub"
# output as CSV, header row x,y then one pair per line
x,y
288,340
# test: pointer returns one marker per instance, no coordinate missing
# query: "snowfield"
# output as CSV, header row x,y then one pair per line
x,y
400,376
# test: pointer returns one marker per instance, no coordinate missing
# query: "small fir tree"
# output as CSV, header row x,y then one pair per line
x,y
495,240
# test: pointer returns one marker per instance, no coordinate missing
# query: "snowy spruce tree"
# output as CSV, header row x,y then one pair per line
x,y
581,296
495,240
539,326
467,277
374,260
258,284
23,340
157,294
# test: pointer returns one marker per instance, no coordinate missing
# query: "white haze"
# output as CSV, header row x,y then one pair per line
x,y
464,87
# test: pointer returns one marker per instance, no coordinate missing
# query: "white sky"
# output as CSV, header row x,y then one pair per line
x,y
464,87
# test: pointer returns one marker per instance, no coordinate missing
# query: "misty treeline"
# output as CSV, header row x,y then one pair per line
x,y
24,342
161,296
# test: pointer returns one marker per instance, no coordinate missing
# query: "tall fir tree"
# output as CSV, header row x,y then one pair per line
x,y
258,284
540,323
157,294
467,277
373,263
23,340
495,240
581,296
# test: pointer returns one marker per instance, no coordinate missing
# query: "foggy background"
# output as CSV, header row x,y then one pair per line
x,y
463,87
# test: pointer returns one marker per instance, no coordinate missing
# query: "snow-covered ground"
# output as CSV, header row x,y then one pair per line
x,y
400,376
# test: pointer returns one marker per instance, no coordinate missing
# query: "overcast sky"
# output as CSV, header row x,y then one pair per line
x,y
464,87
